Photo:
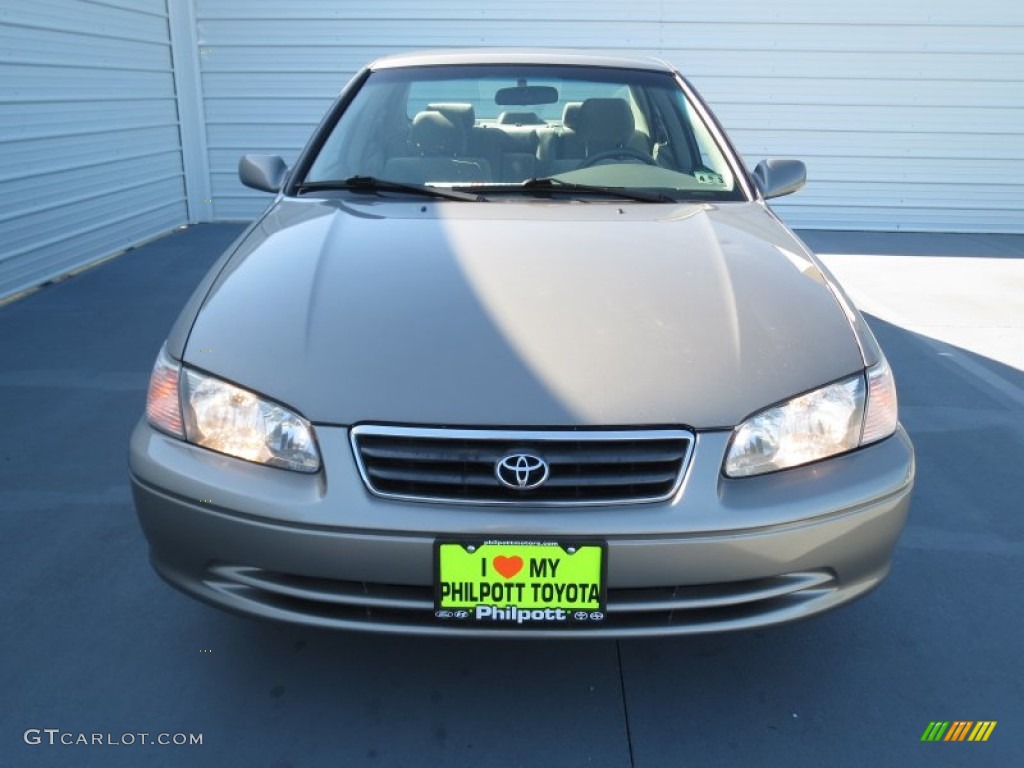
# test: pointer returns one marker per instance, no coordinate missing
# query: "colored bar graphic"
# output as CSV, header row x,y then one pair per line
x,y
982,730
935,730
958,730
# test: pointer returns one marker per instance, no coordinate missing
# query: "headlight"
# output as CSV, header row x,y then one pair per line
x,y
816,425
225,418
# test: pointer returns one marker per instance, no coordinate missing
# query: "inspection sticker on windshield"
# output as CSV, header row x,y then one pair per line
x,y
708,177
520,583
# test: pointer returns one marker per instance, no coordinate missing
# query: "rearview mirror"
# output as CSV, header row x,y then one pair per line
x,y
525,95
779,176
263,172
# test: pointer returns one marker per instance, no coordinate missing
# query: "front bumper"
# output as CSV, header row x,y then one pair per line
x,y
321,550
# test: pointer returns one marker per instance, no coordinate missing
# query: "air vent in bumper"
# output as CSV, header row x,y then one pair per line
x,y
410,609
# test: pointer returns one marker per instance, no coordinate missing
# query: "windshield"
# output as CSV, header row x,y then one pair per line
x,y
495,129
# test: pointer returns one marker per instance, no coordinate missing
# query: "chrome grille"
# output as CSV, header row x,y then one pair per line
x,y
458,465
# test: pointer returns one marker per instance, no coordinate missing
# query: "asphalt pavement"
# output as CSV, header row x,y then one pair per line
x,y
92,642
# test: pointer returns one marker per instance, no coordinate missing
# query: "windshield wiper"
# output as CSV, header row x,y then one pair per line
x,y
558,185
372,184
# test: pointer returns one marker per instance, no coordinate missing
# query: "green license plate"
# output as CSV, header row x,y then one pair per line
x,y
519,583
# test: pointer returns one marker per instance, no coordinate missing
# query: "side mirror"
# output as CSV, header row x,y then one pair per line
x,y
263,172
778,176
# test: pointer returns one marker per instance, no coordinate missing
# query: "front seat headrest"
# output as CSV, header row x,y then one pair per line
x,y
571,115
460,114
435,134
606,123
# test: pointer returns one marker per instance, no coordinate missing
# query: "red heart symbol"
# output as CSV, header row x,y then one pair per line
x,y
508,566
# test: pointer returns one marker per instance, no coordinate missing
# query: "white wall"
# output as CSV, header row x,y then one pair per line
x,y
909,113
90,158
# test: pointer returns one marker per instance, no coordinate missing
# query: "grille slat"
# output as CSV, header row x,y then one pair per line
x,y
396,474
585,467
419,451
592,479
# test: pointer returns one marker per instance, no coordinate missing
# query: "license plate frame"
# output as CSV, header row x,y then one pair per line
x,y
521,583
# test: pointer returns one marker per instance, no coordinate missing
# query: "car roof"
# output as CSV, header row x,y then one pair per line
x,y
459,56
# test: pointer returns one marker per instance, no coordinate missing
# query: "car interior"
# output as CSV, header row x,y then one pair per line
x,y
446,141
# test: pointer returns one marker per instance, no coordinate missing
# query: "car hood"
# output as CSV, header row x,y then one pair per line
x,y
523,313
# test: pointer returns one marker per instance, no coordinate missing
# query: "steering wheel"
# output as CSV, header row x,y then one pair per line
x,y
627,152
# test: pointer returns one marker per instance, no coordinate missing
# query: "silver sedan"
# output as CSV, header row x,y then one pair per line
x,y
519,349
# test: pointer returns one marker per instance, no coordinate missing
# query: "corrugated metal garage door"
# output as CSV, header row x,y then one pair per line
x,y
90,155
909,114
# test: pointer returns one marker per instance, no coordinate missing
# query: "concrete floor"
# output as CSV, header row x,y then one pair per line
x,y
967,292
92,641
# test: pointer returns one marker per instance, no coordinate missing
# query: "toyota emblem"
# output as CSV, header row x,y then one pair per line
x,y
521,471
